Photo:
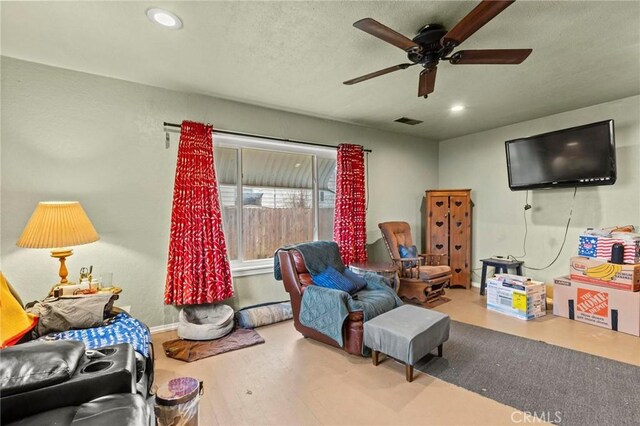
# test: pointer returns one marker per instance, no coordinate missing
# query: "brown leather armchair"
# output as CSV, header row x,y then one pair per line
x,y
422,278
296,278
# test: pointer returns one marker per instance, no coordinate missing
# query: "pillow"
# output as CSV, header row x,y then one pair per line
x,y
15,321
358,280
263,315
330,278
408,252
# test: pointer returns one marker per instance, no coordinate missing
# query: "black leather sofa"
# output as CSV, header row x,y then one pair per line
x,y
58,382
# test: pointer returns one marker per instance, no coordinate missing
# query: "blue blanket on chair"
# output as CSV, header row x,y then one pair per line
x,y
325,310
120,329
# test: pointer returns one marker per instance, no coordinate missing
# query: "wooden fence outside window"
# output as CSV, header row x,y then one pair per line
x,y
266,229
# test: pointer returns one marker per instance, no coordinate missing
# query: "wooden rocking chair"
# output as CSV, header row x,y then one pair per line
x,y
422,278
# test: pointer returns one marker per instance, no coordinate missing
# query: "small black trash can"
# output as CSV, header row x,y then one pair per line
x,y
177,402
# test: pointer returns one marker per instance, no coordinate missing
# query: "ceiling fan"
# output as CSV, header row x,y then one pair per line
x,y
434,43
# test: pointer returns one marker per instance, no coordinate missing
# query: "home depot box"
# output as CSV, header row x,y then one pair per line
x,y
602,273
517,296
605,307
600,247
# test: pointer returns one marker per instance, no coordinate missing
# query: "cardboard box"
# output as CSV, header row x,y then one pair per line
x,y
605,274
600,247
517,297
566,281
605,307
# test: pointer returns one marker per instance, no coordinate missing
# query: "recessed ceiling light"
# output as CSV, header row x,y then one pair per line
x,y
457,108
164,18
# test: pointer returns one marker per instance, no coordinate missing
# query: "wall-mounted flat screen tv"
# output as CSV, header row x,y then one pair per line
x,y
578,156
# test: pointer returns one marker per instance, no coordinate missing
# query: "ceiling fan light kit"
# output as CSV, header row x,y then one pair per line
x,y
434,43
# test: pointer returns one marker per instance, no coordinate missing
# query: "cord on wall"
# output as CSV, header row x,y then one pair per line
x,y
527,206
564,240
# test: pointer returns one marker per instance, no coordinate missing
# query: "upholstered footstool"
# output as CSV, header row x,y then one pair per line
x,y
406,333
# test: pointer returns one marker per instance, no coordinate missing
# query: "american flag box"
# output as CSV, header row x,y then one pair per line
x,y
600,247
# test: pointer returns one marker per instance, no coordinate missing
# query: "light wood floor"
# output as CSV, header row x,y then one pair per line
x,y
291,380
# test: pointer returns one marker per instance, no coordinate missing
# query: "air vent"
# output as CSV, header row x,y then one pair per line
x,y
407,120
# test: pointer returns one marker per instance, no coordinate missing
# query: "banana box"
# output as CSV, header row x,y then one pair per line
x,y
617,310
605,274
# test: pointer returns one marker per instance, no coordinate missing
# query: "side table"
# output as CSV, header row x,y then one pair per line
x,y
500,265
107,290
112,290
389,271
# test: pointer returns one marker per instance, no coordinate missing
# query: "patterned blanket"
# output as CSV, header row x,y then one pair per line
x,y
120,329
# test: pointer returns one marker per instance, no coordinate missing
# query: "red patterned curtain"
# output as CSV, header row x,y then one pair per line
x,y
349,226
198,268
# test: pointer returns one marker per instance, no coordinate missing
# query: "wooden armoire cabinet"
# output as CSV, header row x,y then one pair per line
x,y
448,231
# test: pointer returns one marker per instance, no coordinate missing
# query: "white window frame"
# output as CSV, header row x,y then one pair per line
x,y
240,267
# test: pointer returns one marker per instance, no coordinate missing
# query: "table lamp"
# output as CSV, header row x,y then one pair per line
x,y
57,225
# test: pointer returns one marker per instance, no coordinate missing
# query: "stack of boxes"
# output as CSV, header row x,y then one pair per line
x,y
599,292
517,296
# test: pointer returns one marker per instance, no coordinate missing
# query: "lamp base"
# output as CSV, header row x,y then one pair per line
x,y
62,255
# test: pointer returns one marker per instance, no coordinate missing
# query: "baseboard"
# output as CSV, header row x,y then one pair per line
x,y
174,326
163,328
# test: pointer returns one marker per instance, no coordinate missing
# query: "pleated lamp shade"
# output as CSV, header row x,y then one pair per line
x,y
58,224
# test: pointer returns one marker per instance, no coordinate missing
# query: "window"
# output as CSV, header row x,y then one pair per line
x,y
272,194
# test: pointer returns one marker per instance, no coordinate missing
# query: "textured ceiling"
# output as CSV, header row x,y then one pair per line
x,y
294,56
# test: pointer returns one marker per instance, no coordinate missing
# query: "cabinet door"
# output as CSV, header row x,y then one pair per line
x,y
438,227
459,249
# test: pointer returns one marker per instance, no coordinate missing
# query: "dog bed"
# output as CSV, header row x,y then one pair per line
x,y
205,322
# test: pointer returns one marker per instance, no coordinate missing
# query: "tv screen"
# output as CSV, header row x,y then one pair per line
x,y
578,156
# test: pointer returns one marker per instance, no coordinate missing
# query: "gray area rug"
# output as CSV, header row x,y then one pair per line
x,y
559,385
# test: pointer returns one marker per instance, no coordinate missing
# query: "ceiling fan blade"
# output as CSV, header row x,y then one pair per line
x,y
476,19
385,33
490,56
427,81
377,74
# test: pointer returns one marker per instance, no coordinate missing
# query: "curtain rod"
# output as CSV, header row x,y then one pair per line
x,y
229,132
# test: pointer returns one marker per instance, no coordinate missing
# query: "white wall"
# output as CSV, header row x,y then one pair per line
x,y
69,135
478,161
